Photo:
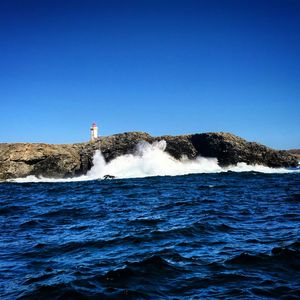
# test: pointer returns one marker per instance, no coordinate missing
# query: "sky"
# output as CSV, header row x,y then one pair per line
x,y
164,67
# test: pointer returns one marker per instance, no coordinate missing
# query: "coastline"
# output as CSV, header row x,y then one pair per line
x,y
19,160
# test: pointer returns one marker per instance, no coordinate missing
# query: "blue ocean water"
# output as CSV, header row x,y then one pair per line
x,y
206,236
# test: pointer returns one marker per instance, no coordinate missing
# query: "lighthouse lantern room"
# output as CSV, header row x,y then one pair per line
x,y
94,132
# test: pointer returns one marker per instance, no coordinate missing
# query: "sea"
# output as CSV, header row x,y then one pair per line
x,y
209,235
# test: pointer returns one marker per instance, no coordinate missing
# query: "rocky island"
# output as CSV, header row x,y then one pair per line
x,y
69,160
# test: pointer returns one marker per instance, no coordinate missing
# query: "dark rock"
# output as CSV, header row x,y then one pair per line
x,y
230,149
109,176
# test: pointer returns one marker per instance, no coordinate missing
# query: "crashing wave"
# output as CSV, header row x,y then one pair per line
x,y
153,160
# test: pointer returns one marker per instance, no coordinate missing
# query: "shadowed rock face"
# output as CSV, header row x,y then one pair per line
x,y
231,149
61,161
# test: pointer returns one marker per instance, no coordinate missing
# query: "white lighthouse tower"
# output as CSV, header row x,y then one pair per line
x,y
94,132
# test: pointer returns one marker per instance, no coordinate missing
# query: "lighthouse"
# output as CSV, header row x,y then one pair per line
x,y
94,132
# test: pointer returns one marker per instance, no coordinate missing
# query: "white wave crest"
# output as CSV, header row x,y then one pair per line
x,y
152,160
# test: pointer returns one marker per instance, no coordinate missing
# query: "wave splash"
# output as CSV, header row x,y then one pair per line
x,y
153,160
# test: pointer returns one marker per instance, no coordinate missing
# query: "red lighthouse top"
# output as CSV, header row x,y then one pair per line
x,y
94,125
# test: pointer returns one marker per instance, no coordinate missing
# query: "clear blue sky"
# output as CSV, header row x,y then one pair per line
x,y
164,67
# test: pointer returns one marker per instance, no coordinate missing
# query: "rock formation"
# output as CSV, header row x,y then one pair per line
x,y
295,152
61,161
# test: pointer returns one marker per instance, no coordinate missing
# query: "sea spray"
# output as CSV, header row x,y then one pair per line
x,y
153,160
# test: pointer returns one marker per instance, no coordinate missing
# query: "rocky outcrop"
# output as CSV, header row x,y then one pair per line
x,y
295,152
61,161
231,149
22,159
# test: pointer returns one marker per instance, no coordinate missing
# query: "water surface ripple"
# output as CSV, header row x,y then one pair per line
x,y
206,236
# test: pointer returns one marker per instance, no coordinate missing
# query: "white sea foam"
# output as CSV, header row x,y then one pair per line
x,y
153,160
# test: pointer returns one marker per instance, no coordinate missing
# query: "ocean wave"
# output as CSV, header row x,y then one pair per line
x,y
228,235
287,257
153,160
